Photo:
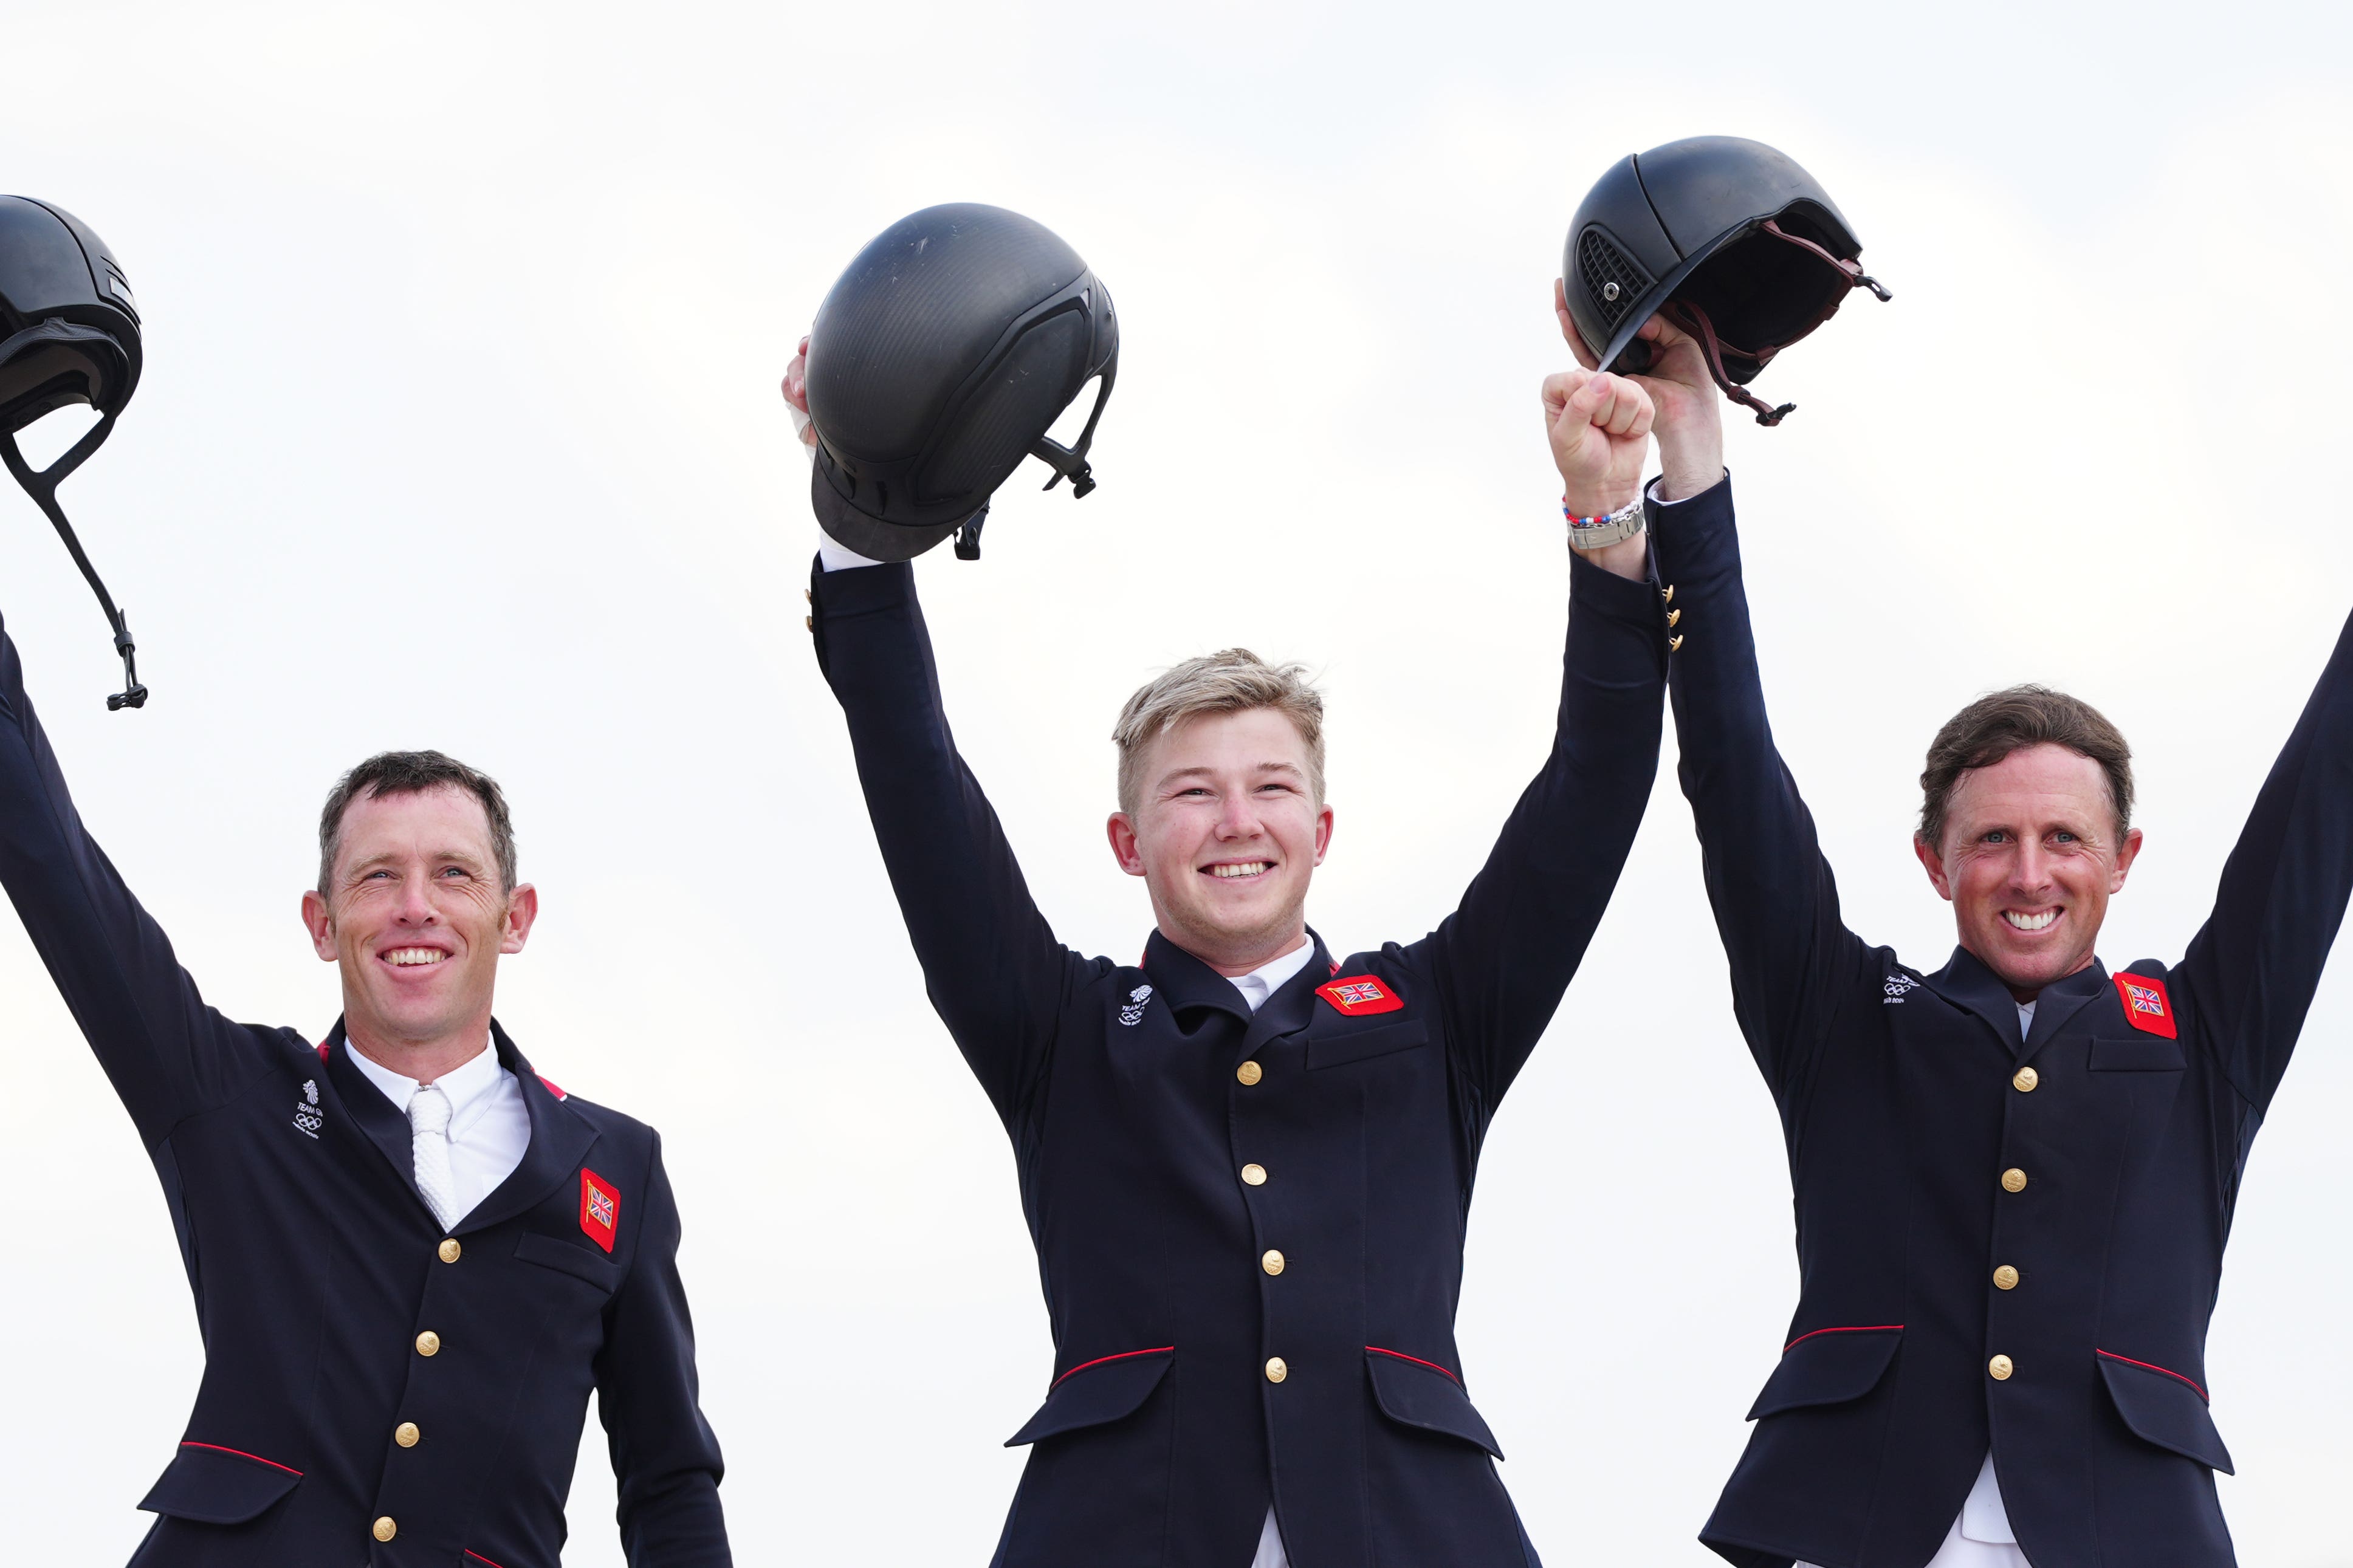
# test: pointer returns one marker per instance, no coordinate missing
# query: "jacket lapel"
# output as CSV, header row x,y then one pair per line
x,y
1294,1002
560,1140
1969,985
387,1125
1186,982
2062,1000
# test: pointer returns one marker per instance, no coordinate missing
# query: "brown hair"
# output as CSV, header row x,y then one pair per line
x,y
1231,680
414,772
2000,723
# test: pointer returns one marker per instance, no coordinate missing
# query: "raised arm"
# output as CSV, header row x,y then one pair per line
x,y
1504,957
2252,972
994,972
1775,903
167,1053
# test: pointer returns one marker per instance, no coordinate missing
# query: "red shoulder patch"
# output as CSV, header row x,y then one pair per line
x,y
2146,1007
600,1208
549,1084
1358,994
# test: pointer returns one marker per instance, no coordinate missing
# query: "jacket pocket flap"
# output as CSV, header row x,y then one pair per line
x,y
1416,1392
1829,1367
1096,1392
2142,1053
549,1252
212,1485
2163,1408
1362,1045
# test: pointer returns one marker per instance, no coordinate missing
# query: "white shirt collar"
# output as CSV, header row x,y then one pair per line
x,y
1267,979
463,1085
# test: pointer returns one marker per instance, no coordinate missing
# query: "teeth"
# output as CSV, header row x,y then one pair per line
x,y
1245,868
2029,922
404,957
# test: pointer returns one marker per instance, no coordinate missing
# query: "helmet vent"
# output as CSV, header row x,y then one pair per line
x,y
1611,279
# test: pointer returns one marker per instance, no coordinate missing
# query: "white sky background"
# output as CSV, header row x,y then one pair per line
x,y
459,429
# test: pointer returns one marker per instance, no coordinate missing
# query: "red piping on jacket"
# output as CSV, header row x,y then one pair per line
x,y
241,1454
1400,1355
2152,1366
322,1054
1854,1329
1123,1355
479,1558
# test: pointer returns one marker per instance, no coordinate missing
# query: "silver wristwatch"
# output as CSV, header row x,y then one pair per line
x,y
1600,533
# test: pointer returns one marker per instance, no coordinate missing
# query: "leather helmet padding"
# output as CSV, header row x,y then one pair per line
x,y
937,361
1763,293
43,377
1671,210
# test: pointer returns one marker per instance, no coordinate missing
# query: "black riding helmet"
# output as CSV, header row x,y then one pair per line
x,y
69,333
938,361
1727,238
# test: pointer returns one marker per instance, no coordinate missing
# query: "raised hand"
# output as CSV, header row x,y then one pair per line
x,y
1600,425
1689,419
796,395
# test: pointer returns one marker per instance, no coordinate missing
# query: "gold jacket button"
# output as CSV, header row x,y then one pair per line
x,y
428,1344
1674,644
1249,1072
1275,1371
2005,1277
1254,1176
1667,595
2025,1078
449,1251
384,1530
1271,1262
2013,1180
406,1434
1673,616
2001,1368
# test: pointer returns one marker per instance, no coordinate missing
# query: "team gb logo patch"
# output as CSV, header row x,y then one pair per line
x,y
2146,1007
307,1120
1356,994
1132,1013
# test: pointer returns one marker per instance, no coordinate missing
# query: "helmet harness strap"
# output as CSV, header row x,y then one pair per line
x,y
43,487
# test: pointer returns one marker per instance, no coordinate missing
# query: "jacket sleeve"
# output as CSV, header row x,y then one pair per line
x,y
666,1463
167,1053
993,970
1505,956
2253,970
1775,903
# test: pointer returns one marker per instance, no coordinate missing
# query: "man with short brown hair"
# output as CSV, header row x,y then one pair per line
x,y
414,1258
2014,1175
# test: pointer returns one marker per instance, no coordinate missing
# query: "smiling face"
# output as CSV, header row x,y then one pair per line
x,y
1226,833
415,914
2030,856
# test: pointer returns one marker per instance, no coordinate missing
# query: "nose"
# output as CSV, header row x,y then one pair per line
x,y
415,907
1238,819
2031,872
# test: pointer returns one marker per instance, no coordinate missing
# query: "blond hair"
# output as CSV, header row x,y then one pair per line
x,y
1231,680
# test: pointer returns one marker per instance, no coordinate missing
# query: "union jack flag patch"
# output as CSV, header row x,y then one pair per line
x,y
1356,994
600,1208
2146,1007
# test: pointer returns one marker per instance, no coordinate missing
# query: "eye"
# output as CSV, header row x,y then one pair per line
x,y
1998,835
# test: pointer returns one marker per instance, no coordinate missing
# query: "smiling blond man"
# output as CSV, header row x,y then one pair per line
x,y
2013,1174
1247,1161
414,1258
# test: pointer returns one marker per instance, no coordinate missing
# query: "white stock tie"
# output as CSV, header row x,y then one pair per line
x,y
428,1119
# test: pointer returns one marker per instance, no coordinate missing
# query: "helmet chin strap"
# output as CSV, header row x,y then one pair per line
x,y
43,487
1694,321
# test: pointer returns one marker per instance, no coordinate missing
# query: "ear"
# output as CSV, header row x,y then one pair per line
x,y
322,924
2125,854
1934,864
1125,847
1323,834
523,909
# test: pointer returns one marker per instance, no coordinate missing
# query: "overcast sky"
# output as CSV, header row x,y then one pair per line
x,y
459,429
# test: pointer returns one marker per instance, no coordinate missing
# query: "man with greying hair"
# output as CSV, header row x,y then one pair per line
x,y
1247,1164
413,1257
2014,1175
